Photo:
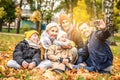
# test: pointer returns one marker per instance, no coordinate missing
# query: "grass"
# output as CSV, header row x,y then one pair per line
x,y
13,30
8,40
8,43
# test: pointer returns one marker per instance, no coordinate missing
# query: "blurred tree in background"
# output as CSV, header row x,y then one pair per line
x,y
80,13
79,10
117,15
2,14
9,9
36,18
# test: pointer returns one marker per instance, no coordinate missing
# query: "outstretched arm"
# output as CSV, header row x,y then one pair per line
x,y
102,33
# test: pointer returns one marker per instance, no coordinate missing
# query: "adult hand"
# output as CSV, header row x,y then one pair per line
x,y
83,64
25,64
101,25
31,65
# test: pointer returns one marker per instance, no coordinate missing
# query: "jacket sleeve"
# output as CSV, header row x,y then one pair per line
x,y
36,57
45,42
51,53
18,53
103,34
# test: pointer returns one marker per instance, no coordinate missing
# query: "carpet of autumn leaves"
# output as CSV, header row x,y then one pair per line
x,y
7,44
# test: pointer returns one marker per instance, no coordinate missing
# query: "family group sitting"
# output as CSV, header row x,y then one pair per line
x,y
60,48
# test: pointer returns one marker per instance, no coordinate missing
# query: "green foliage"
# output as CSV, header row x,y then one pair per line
x,y
9,7
1,76
117,27
25,28
118,5
117,38
116,15
2,12
80,78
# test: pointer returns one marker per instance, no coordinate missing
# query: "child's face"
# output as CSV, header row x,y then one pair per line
x,y
63,38
34,38
66,25
53,32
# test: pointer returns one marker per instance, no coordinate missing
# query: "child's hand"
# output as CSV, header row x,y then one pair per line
x,y
31,65
65,47
65,61
25,64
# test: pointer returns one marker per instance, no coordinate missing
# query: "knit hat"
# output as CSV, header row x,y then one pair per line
x,y
61,33
50,25
63,17
28,34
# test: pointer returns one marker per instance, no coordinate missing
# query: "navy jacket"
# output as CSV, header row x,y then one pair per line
x,y
24,52
97,53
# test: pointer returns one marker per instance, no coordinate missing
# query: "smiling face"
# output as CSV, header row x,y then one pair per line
x,y
34,38
53,32
85,30
65,25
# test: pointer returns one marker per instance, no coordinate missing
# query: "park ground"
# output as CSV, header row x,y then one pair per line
x,y
7,45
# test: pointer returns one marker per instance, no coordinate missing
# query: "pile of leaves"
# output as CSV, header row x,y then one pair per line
x,y
7,45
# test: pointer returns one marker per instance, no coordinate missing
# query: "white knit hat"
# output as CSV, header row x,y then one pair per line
x,y
60,34
52,24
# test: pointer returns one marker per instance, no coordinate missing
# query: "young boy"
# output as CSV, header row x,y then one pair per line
x,y
96,53
27,53
61,58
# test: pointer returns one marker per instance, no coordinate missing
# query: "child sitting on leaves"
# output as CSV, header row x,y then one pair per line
x,y
60,57
27,53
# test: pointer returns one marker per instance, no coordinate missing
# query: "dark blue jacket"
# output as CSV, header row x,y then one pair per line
x,y
97,53
24,52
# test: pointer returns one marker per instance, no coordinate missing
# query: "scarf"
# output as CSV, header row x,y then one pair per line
x,y
33,45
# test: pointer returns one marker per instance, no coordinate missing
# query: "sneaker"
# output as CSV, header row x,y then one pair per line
x,y
77,66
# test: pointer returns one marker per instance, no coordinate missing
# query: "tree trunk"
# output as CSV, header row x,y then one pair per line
x,y
1,21
109,19
38,27
95,9
18,26
19,20
8,27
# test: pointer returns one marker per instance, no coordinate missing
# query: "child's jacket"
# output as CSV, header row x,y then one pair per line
x,y
55,53
24,52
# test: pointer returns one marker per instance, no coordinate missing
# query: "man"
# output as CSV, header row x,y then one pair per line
x,y
96,55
